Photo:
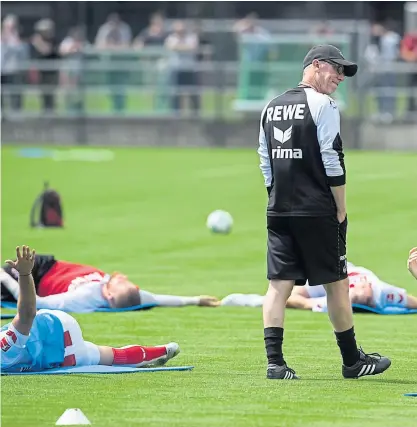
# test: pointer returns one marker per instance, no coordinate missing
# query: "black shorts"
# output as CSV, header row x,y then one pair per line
x,y
43,264
307,248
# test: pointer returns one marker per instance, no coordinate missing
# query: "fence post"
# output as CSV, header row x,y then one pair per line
x,y
81,123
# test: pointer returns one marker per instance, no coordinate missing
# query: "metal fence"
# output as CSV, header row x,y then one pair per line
x,y
150,97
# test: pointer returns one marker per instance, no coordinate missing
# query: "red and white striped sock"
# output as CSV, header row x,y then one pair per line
x,y
134,354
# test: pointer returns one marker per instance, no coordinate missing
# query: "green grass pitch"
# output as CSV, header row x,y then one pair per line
x,y
144,213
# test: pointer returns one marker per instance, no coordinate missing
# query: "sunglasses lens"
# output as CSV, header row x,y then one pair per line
x,y
340,69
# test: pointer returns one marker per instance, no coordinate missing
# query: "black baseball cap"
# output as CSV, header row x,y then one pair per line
x,y
325,52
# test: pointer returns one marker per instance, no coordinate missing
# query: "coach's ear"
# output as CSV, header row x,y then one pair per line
x,y
316,64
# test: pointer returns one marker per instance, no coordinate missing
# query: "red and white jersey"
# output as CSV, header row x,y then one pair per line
x,y
65,276
72,287
355,275
383,294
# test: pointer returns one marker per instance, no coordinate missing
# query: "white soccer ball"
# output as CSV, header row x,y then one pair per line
x,y
220,222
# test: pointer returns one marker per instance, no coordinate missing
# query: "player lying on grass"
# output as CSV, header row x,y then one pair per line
x,y
365,288
35,341
79,288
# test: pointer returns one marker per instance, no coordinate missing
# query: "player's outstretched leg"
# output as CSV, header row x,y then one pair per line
x,y
138,356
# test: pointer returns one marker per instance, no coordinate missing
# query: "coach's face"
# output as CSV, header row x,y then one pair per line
x,y
328,76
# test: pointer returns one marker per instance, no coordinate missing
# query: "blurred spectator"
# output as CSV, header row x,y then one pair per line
x,y
384,49
70,50
154,34
204,55
13,52
247,24
205,48
44,47
409,54
114,33
323,29
183,46
255,50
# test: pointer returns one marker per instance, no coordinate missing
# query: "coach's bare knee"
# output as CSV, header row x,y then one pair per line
x,y
339,289
275,301
338,305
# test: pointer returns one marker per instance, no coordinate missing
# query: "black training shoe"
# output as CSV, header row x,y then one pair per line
x,y
368,364
276,372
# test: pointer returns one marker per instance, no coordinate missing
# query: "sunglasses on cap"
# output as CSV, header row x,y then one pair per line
x,y
340,69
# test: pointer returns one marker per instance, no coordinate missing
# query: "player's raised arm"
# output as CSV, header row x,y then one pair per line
x,y
26,303
412,262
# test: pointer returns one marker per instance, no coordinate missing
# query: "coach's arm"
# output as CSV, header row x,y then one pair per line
x,y
331,149
265,162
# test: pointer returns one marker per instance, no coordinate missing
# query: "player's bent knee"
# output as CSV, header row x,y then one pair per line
x,y
278,291
77,351
91,354
281,286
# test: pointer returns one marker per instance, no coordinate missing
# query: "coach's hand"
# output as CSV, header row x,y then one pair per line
x,y
24,261
341,216
208,301
412,262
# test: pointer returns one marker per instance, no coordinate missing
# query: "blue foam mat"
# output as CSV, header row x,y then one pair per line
x,y
411,394
7,316
7,304
100,369
358,308
133,308
13,306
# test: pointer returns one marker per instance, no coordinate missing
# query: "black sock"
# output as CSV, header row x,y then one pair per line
x,y
273,344
347,344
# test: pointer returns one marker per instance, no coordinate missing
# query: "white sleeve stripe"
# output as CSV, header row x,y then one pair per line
x,y
265,164
327,119
331,160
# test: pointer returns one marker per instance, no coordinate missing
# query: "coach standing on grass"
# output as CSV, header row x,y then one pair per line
x,y
302,163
